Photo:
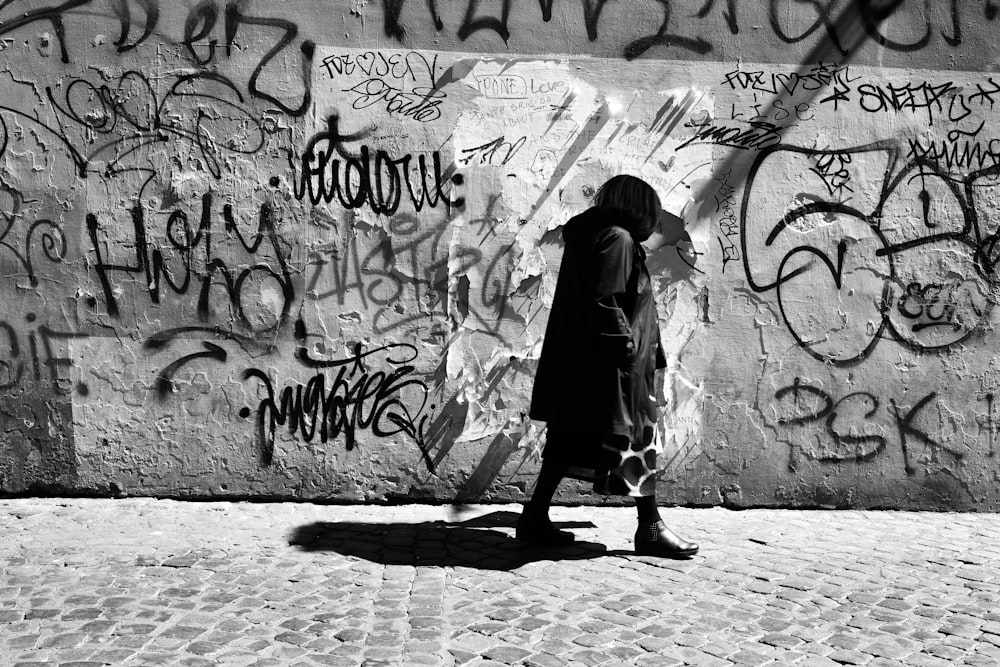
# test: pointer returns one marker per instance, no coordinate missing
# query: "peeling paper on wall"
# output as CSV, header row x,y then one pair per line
x,y
488,414
528,119
531,263
594,131
683,397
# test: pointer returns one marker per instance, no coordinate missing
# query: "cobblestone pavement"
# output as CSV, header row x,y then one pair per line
x,y
154,582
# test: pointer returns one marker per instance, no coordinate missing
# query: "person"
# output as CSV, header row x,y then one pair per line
x,y
594,384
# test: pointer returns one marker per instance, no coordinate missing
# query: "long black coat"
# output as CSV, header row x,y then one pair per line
x,y
602,341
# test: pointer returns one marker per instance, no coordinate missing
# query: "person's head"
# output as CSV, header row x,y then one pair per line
x,y
635,196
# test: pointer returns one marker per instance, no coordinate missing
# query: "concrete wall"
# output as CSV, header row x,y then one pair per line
x,y
306,249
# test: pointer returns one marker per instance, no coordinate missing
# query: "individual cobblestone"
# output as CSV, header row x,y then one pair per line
x,y
148,582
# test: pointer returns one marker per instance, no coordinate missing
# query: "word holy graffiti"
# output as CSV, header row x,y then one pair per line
x,y
354,399
156,271
328,171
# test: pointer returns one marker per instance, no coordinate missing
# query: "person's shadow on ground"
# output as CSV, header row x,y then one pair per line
x,y
471,543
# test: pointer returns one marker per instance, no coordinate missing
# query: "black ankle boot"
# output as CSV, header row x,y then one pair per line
x,y
655,539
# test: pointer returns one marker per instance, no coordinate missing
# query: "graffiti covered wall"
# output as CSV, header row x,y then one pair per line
x,y
307,249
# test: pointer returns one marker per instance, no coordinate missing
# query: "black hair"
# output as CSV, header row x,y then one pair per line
x,y
633,195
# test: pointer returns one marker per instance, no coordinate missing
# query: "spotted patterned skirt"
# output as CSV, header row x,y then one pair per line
x,y
615,465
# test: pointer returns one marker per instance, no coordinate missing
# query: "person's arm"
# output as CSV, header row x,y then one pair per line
x,y
613,256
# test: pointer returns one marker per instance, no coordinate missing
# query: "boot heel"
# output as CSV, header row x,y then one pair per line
x,y
658,540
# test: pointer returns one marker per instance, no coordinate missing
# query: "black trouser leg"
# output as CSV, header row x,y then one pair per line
x,y
646,509
551,474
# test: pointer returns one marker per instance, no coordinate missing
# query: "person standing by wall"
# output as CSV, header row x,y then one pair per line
x,y
594,386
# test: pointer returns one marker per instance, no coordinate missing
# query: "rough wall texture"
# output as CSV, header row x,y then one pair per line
x,y
305,249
